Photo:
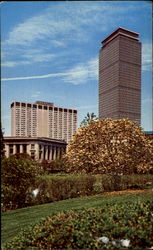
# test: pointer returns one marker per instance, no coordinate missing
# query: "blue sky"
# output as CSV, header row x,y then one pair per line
x,y
50,52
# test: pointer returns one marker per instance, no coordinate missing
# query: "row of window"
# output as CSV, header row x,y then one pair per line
x,y
18,104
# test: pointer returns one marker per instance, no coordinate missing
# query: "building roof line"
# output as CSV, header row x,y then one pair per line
x,y
122,31
36,138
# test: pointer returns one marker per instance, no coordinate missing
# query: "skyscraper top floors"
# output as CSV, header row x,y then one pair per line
x,y
43,119
120,76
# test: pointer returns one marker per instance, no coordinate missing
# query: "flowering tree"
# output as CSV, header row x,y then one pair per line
x,y
109,146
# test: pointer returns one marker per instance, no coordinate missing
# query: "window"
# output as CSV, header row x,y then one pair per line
x,y
33,155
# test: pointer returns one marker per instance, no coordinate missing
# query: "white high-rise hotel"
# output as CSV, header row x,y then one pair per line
x,y
43,119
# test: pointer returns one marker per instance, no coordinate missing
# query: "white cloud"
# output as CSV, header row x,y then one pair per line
x,y
87,107
83,72
34,77
58,43
71,20
9,64
58,26
146,56
79,74
35,95
29,59
147,101
38,28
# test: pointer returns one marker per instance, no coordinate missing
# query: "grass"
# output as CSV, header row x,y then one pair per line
x,y
14,221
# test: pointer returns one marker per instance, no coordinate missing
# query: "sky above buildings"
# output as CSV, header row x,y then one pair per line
x,y
50,52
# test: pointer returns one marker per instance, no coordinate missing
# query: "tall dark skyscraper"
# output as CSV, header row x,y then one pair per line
x,y
120,76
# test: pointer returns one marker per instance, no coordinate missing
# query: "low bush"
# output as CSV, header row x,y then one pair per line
x,y
56,187
114,226
123,182
60,187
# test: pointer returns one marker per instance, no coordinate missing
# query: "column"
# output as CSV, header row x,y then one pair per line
x,y
54,155
36,151
7,150
14,148
42,154
28,149
46,154
21,148
50,153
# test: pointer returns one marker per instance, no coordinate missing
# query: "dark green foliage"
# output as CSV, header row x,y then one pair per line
x,y
18,173
88,118
81,229
60,187
57,187
2,142
124,182
55,166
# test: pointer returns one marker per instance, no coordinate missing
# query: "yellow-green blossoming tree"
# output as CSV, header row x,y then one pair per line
x,y
110,146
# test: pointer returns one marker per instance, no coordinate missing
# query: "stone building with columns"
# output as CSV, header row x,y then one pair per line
x,y
39,148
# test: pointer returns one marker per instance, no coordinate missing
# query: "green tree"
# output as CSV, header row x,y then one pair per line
x,y
88,118
110,146
2,142
18,174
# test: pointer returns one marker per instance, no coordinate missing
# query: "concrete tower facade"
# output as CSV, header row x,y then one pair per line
x,y
43,119
120,76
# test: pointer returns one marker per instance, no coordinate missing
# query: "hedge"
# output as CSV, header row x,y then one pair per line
x,y
51,188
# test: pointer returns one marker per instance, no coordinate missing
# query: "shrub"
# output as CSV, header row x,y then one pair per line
x,y
18,173
128,222
110,146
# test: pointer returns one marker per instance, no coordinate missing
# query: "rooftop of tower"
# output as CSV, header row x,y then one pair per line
x,y
123,32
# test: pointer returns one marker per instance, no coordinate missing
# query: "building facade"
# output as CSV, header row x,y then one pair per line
x,y
120,76
43,119
38,148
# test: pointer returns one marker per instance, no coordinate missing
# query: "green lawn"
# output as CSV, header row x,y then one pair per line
x,y
14,221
